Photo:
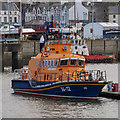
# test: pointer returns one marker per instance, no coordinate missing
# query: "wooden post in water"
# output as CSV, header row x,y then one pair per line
x,y
117,49
34,47
91,47
104,46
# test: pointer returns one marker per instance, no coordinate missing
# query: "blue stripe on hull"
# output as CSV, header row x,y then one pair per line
x,y
63,89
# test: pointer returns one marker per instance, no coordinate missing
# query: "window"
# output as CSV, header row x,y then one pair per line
x,y
46,63
77,52
56,63
15,19
0,19
73,62
49,62
5,27
114,21
5,12
75,47
52,49
43,63
52,63
72,41
80,42
5,19
114,16
40,63
64,62
80,63
38,11
76,42
10,19
65,48
15,13
36,63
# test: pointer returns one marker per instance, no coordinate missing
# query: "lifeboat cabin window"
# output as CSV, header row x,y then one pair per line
x,y
46,63
49,62
52,49
73,62
52,63
64,62
40,63
43,62
80,62
56,63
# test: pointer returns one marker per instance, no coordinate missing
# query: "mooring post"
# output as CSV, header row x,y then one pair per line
x,y
117,49
14,60
1,57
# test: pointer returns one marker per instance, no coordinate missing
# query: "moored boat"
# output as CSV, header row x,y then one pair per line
x,y
57,72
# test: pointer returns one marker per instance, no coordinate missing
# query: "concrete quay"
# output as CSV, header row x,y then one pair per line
x,y
113,95
26,49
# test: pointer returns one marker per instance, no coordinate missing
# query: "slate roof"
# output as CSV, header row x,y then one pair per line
x,y
114,9
12,6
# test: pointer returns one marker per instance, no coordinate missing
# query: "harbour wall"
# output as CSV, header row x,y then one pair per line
x,y
32,48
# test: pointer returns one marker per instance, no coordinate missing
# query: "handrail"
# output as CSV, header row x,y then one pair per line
x,y
89,75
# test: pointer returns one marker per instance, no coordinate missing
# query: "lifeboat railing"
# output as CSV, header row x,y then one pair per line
x,y
22,74
91,75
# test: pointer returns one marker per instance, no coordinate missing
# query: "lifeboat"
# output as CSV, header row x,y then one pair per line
x,y
57,72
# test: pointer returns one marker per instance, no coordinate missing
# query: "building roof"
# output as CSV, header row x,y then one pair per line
x,y
114,9
108,24
12,6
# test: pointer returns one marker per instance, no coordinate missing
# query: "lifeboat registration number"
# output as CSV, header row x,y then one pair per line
x,y
66,88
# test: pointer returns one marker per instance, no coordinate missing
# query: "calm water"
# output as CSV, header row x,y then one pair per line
x,y
19,106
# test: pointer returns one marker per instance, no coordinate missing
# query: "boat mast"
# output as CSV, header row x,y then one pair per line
x,y
20,20
75,16
9,14
92,17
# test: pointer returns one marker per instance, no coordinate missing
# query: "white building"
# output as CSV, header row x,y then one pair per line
x,y
13,16
81,12
114,14
53,14
99,29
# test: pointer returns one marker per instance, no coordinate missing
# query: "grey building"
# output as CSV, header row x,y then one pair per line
x,y
99,11
11,16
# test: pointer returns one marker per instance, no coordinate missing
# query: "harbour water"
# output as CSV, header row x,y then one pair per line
x,y
25,106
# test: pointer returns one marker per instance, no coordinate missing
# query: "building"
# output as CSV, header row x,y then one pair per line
x,y
114,14
98,11
42,12
12,16
99,30
81,13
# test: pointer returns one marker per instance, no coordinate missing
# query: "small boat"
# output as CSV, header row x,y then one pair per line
x,y
57,72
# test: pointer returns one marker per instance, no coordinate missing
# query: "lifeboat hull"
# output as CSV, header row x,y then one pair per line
x,y
65,89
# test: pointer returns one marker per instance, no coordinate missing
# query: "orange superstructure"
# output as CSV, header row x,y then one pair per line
x,y
55,62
